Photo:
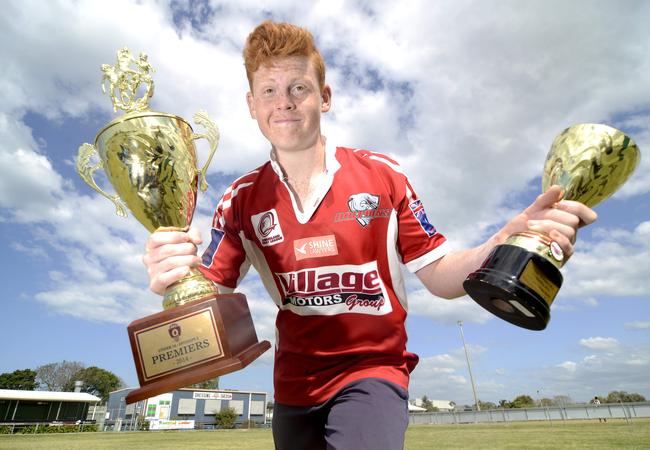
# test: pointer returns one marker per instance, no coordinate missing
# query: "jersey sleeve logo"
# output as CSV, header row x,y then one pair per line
x,y
363,208
267,228
417,208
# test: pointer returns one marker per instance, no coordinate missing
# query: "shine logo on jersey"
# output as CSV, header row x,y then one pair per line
x,y
267,228
315,247
417,208
334,290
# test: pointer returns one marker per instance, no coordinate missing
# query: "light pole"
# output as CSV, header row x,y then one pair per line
x,y
469,366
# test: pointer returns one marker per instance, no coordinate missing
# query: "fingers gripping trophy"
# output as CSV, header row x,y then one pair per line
x,y
150,160
519,279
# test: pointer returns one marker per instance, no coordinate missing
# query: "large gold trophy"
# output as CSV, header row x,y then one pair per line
x,y
150,159
519,280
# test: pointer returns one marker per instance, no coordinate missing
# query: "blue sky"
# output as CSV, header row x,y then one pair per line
x,y
468,96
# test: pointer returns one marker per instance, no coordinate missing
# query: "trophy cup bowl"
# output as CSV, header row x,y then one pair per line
x,y
520,278
150,160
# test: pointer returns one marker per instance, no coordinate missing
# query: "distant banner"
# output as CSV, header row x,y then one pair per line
x,y
171,424
212,395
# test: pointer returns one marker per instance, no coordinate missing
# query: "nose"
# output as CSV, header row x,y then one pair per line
x,y
284,101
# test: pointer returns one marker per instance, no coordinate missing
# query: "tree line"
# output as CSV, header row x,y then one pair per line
x,y
526,401
61,377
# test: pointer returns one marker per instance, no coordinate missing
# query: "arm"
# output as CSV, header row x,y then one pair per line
x,y
559,219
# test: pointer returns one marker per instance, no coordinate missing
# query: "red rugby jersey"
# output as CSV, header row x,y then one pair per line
x,y
332,270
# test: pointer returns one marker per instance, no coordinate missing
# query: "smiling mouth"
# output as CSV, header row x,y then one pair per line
x,y
285,121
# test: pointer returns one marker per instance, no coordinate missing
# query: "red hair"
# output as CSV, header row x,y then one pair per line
x,y
270,40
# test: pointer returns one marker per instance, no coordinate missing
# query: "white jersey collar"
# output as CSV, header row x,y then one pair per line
x,y
332,165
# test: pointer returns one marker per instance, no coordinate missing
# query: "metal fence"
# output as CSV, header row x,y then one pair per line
x,y
626,411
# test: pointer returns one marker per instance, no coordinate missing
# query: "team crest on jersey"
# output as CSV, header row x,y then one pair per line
x,y
417,208
267,228
363,208
330,290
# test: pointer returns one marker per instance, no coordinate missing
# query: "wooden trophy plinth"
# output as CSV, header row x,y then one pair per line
x,y
192,343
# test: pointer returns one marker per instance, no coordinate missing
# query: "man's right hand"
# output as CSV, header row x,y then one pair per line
x,y
169,256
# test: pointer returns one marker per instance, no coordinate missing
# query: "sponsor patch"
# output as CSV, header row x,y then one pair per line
x,y
417,208
334,290
315,247
267,228
363,208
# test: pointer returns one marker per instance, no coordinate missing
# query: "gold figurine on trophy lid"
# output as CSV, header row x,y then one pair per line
x,y
149,158
124,80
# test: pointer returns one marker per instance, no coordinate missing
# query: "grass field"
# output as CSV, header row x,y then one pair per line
x,y
519,435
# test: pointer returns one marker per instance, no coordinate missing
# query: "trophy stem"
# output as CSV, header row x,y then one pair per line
x,y
193,286
539,243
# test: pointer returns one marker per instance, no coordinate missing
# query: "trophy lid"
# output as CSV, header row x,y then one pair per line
x,y
590,162
123,80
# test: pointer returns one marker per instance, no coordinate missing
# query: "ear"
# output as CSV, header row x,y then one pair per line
x,y
326,97
251,104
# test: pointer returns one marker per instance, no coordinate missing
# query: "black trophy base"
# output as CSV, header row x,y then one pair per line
x,y
516,285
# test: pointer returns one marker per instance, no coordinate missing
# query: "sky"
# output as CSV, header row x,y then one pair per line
x,y
468,97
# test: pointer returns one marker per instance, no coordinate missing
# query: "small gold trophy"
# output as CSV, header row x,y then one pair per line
x,y
519,280
150,159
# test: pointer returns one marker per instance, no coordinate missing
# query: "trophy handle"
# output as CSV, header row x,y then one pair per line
x,y
212,135
85,171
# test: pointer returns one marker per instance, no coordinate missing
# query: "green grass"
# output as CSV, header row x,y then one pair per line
x,y
517,435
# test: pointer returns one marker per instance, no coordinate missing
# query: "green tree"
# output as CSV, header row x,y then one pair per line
x,y
24,380
97,381
486,405
623,397
56,376
546,402
505,404
226,418
562,400
212,383
522,401
428,404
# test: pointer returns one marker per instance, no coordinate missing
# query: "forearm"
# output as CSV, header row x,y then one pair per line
x,y
547,214
444,278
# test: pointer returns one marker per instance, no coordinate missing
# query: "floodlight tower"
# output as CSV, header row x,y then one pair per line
x,y
469,366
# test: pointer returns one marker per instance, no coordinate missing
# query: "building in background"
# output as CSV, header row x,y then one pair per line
x,y
184,409
442,405
17,406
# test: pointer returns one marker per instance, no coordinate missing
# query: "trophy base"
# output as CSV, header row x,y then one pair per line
x,y
516,285
194,342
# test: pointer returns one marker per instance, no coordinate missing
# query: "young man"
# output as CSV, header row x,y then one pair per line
x,y
327,228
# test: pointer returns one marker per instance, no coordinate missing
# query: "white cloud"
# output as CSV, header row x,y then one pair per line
x,y
569,366
621,368
444,376
421,302
614,263
638,325
599,343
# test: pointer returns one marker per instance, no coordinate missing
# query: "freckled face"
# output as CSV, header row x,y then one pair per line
x,y
287,103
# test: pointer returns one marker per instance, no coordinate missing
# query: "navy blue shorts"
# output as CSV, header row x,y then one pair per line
x,y
366,414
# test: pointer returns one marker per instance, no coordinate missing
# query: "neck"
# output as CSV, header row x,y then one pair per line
x,y
302,164
303,171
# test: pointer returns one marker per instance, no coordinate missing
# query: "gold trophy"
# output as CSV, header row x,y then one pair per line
x,y
150,159
519,280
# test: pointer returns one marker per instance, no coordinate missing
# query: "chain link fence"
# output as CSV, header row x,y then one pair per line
x,y
625,411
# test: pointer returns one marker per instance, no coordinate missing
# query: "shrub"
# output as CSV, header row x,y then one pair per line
x,y
226,418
